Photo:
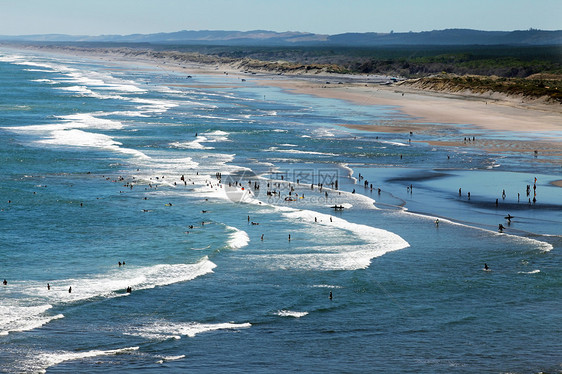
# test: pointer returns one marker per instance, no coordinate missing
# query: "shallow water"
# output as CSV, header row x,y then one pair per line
x,y
92,157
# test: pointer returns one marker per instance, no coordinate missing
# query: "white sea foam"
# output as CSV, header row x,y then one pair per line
x,y
39,362
290,313
325,286
102,81
21,315
297,151
194,144
14,318
49,81
169,358
375,242
217,117
209,137
237,238
79,138
153,106
17,61
87,120
163,330
82,90
536,271
323,133
393,143
40,70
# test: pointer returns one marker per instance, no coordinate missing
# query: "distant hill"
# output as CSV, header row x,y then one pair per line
x,y
270,38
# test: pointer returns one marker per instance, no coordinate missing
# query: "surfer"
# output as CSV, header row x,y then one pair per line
x,y
5,283
70,289
500,227
330,295
486,267
129,289
48,286
437,222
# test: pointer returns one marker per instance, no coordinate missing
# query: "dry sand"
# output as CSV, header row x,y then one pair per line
x,y
538,124
492,112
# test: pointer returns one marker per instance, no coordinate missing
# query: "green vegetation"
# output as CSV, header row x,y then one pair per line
x,y
532,87
405,61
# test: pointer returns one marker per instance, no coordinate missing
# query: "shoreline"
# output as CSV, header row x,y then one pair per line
x,y
538,124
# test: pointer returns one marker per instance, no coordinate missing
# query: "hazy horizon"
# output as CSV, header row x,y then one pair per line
x,y
125,17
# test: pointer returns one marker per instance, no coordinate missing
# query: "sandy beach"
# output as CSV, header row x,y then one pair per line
x,y
539,123
536,124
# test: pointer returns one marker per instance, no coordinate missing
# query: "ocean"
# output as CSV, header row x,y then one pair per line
x,y
257,234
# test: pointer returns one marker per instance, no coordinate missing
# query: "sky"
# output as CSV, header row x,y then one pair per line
x,y
103,17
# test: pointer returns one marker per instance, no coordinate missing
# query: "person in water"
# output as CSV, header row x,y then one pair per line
x,y
70,289
486,267
5,283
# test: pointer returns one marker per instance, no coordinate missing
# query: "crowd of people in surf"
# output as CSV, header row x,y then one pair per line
x,y
275,189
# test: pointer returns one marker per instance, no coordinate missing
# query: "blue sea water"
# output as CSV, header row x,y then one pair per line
x,y
104,163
